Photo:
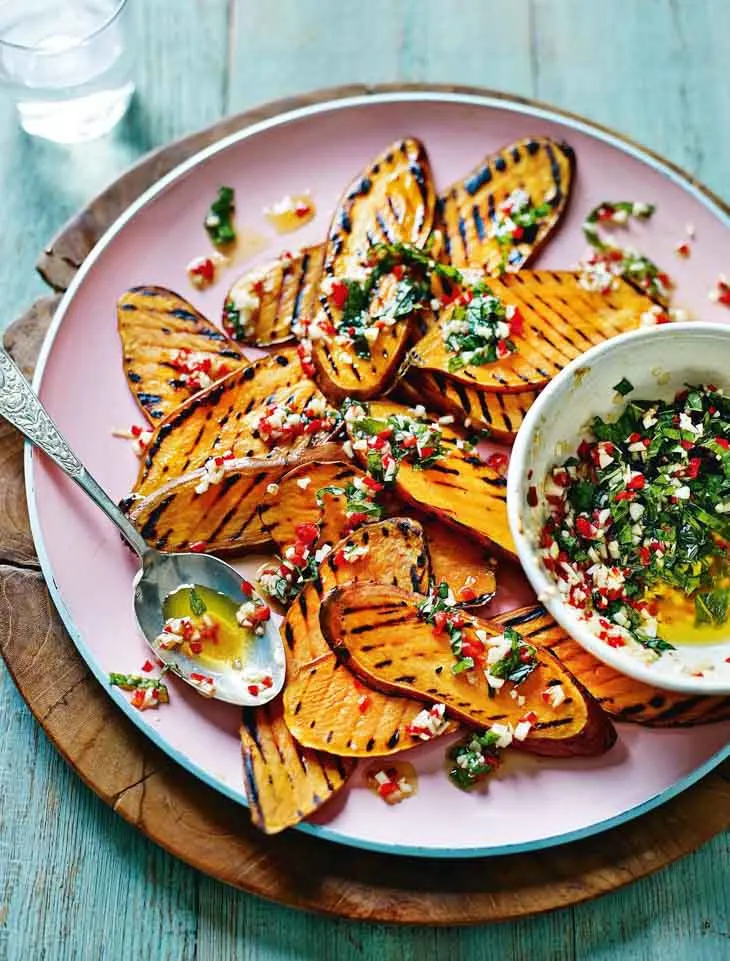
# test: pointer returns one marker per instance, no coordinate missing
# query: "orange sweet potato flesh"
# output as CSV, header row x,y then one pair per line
x,y
284,781
501,414
286,290
622,697
561,321
283,510
542,167
223,418
155,324
459,488
379,633
326,707
392,201
461,562
225,517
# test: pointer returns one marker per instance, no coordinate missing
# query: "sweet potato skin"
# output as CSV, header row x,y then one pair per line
x,y
378,632
155,325
623,698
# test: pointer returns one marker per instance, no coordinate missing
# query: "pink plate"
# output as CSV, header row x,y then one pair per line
x,y
80,380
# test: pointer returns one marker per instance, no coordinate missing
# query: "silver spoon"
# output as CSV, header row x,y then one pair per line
x,y
160,574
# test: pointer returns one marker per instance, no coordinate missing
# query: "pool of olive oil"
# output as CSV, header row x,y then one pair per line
x,y
678,623
232,643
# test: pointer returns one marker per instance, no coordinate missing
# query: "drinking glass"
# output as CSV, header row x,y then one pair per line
x,y
67,64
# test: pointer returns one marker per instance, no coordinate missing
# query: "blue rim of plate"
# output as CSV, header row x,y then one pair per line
x,y
500,102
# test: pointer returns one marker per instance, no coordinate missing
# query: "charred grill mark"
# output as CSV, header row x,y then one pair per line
x,y
516,156
227,484
557,722
135,378
381,664
478,222
393,739
478,179
148,528
183,314
301,283
409,679
532,147
148,400
289,635
361,189
127,307
556,199
500,164
365,628
389,236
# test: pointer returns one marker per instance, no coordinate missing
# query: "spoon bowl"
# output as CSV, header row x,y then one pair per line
x,y
159,576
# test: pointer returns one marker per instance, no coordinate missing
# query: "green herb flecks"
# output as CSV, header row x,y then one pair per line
x,y
623,387
133,682
644,506
399,437
478,332
219,222
624,261
518,663
711,607
438,611
473,759
197,604
359,500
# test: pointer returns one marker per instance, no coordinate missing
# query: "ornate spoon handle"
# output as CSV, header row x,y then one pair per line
x,y
21,406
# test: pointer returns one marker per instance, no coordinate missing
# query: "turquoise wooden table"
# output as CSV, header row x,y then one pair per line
x,y
75,880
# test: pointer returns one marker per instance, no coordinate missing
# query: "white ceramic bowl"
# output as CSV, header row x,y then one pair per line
x,y
658,361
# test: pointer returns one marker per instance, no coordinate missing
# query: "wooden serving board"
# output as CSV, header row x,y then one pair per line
x,y
196,823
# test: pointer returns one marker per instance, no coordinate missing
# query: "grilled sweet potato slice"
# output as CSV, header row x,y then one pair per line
x,y
393,201
163,335
499,413
469,209
463,563
284,781
295,502
459,488
622,697
222,518
561,321
224,418
379,633
325,705
263,305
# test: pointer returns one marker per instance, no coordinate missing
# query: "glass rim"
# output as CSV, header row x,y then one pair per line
x,y
28,48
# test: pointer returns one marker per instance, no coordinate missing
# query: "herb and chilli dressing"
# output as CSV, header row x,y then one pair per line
x,y
217,635
638,524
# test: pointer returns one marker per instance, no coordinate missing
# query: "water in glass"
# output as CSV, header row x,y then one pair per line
x,y
67,64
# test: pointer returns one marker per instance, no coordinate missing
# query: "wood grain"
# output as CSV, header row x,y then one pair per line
x,y
213,834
